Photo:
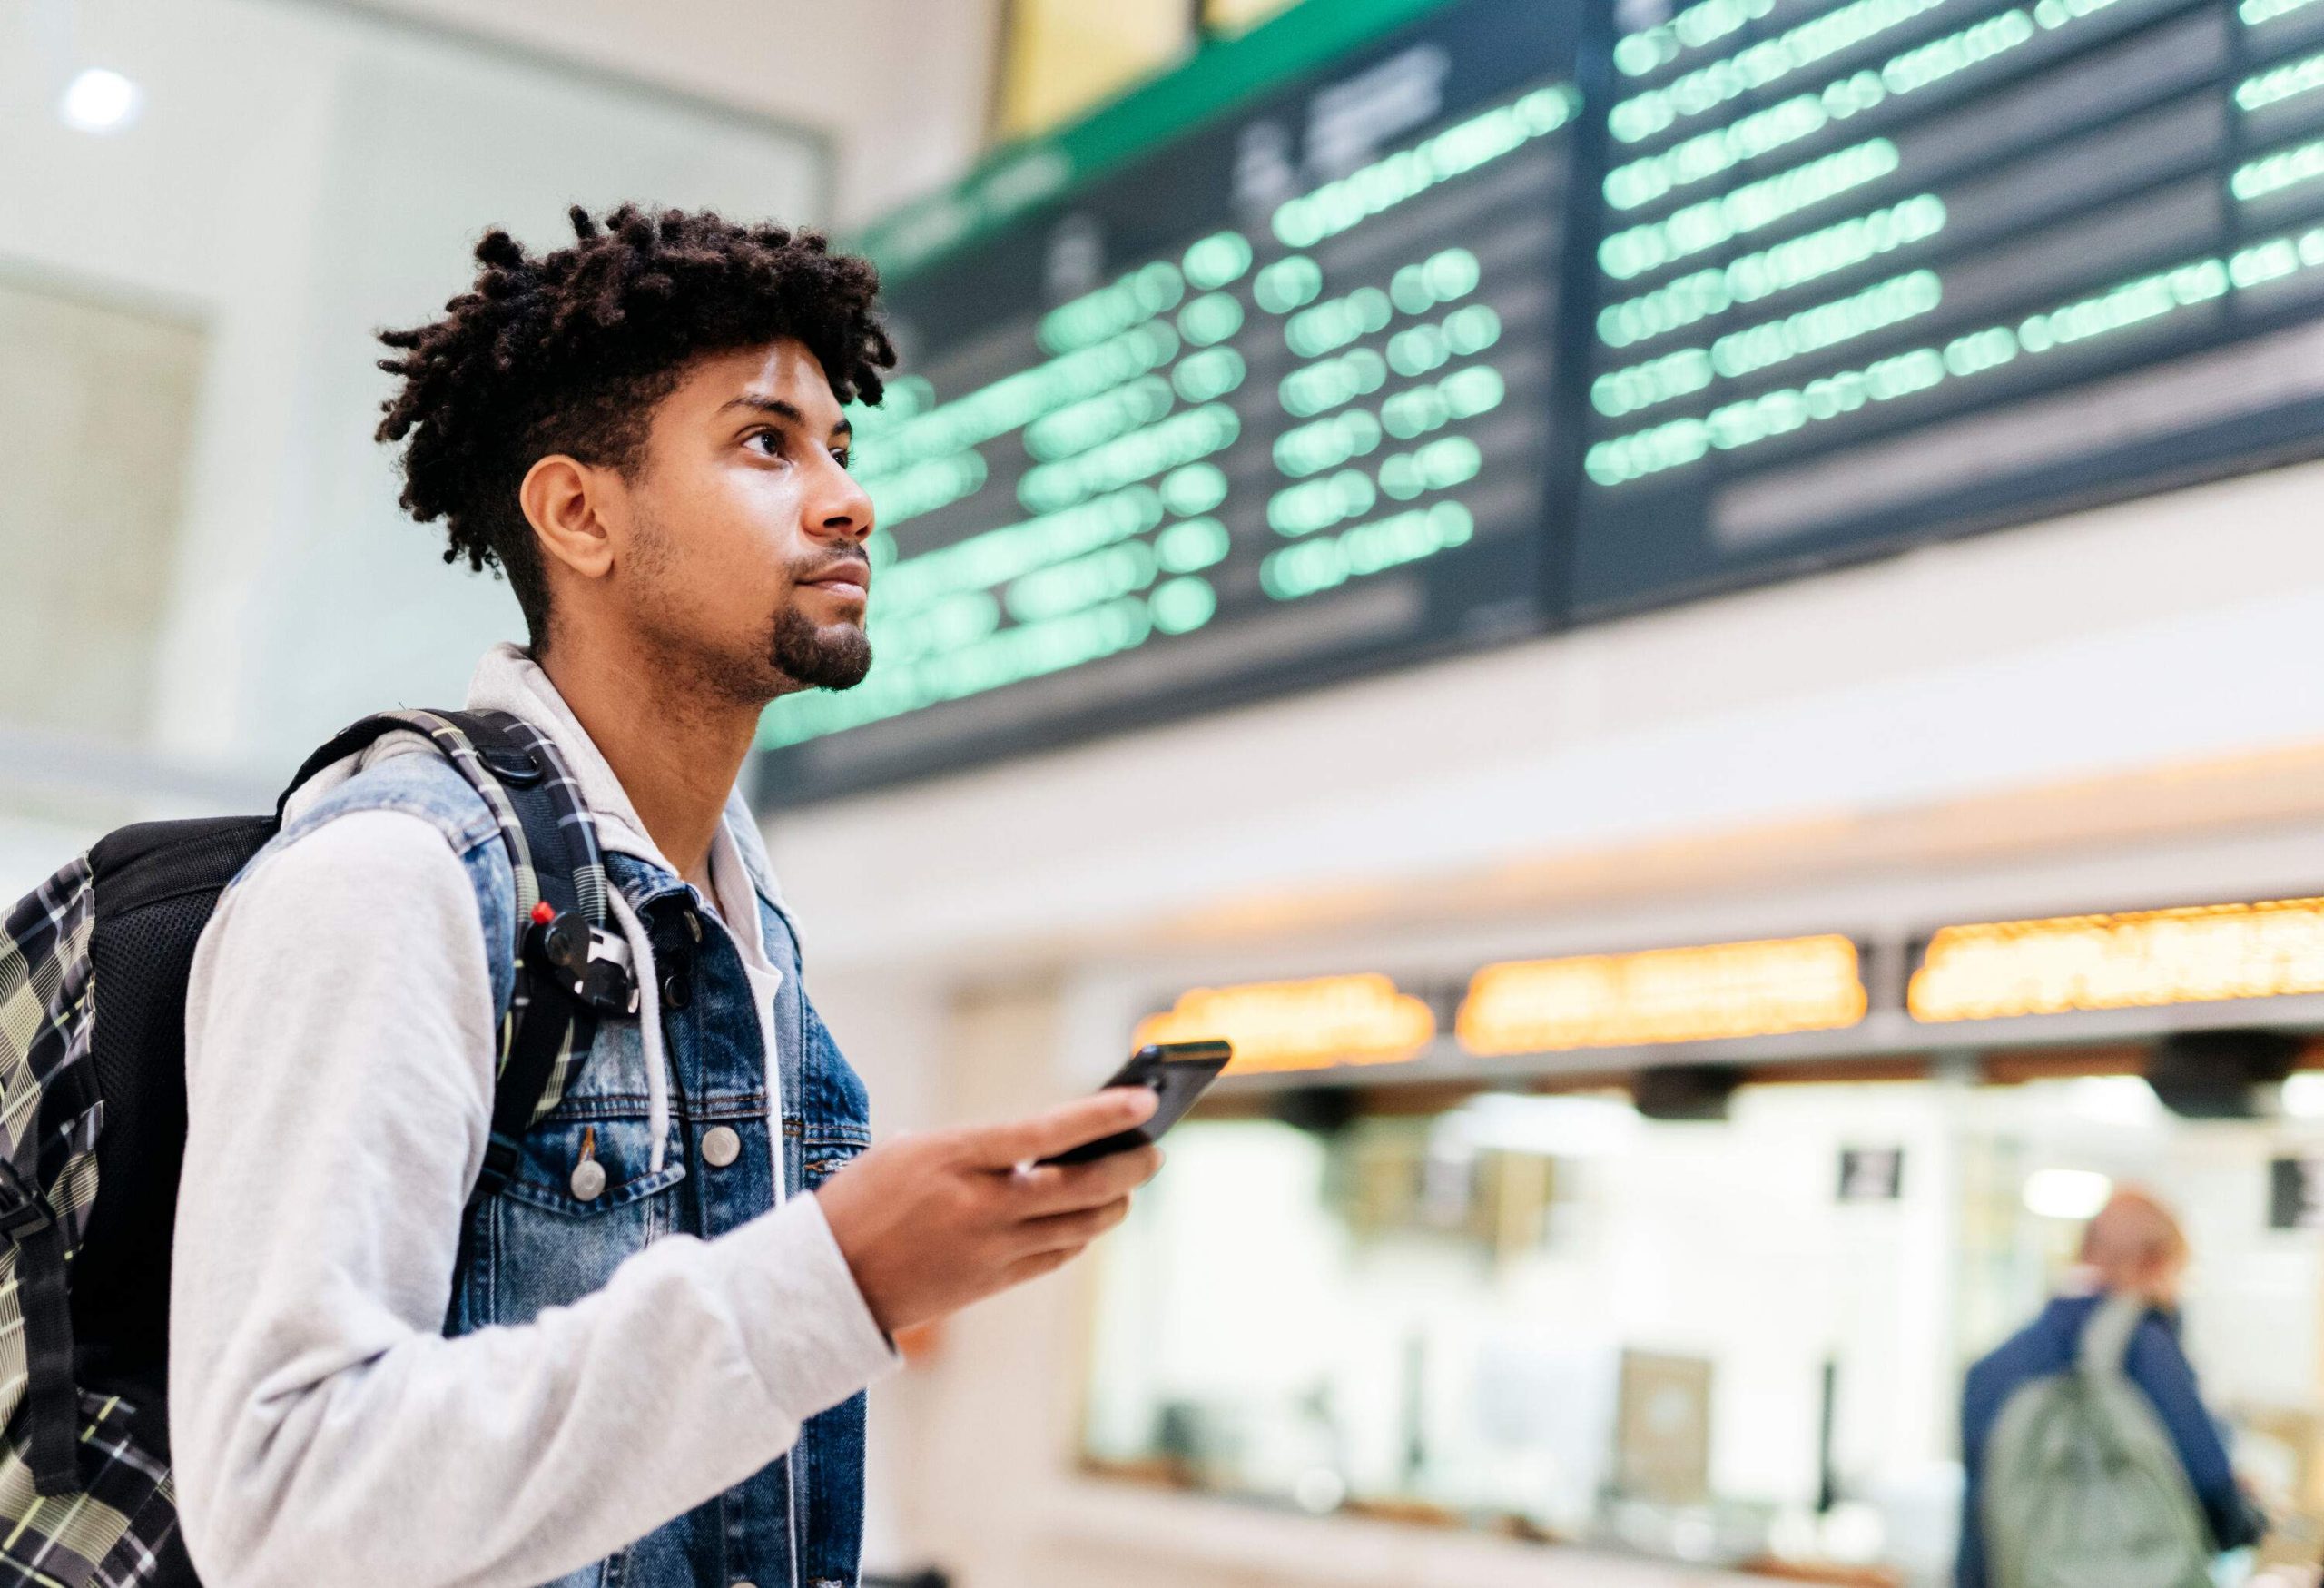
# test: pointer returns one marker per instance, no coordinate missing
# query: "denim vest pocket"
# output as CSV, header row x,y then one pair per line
x,y
556,1149
548,1247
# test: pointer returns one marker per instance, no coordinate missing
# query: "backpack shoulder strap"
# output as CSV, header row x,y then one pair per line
x,y
2106,1336
569,967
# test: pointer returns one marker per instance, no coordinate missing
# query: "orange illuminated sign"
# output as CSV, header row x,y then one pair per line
x,y
2197,955
1300,1025
1663,995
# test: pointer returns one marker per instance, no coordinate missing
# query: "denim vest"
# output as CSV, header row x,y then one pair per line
x,y
798,1522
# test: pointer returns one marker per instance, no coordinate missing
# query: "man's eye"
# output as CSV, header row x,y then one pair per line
x,y
840,456
773,440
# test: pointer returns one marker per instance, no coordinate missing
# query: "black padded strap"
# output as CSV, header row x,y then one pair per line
x,y
547,1021
505,754
541,1038
52,1401
347,742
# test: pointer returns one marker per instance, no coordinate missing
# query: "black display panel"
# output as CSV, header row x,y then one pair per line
x,y
1528,314
1889,268
1272,404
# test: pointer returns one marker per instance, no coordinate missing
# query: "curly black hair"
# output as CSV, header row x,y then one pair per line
x,y
569,351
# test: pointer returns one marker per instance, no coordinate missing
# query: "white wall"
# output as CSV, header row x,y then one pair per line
x,y
301,176
86,548
901,85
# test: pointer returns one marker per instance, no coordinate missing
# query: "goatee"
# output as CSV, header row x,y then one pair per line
x,y
836,657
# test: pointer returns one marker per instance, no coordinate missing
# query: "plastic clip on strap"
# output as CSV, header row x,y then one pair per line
x,y
588,962
52,1413
565,962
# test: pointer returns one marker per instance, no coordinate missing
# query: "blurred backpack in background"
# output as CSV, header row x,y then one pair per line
x,y
2083,1486
94,966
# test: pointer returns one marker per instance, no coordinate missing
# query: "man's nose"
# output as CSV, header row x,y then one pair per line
x,y
846,514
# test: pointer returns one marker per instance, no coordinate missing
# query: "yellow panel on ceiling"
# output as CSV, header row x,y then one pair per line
x,y
1228,17
1061,57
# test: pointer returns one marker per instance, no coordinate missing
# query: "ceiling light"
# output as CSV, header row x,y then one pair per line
x,y
2066,1193
2304,1095
99,101
2114,1100
1546,1127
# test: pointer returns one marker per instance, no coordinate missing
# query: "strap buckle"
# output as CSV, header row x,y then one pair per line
x,y
500,1155
590,964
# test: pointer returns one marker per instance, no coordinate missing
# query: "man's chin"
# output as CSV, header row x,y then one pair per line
x,y
833,657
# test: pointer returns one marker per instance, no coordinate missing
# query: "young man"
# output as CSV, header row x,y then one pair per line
x,y
642,1365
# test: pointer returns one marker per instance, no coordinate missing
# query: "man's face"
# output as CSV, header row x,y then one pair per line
x,y
746,545
2167,1275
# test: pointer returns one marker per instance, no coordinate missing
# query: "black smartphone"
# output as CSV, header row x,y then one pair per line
x,y
1178,1071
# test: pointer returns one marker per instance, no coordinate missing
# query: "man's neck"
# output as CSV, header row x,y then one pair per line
x,y
675,750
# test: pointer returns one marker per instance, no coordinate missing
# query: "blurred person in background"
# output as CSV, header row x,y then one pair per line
x,y
2125,1290
645,432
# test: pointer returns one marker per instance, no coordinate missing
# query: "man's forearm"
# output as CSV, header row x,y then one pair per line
x,y
511,1456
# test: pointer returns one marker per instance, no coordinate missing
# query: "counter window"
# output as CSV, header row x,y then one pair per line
x,y
1739,1342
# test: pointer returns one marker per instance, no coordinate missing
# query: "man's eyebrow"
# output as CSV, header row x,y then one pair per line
x,y
760,402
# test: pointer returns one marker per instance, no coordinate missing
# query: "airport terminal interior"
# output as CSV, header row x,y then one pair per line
x,y
1698,625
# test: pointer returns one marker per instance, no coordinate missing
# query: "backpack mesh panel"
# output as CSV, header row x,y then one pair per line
x,y
156,883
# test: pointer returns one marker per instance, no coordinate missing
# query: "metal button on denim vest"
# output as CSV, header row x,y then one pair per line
x,y
544,1243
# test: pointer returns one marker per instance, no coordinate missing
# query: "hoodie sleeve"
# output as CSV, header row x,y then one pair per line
x,y
340,1064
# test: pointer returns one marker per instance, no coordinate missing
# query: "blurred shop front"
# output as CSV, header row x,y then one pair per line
x,y
1710,1299
1591,1252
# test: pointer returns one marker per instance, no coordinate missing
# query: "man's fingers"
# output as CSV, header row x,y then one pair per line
x,y
1067,1188
1072,1231
1062,1128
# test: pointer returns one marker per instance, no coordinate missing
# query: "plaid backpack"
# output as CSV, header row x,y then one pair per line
x,y
94,966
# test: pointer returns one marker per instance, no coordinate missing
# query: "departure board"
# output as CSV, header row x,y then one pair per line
x,y
1272,403
1512,315
1882,269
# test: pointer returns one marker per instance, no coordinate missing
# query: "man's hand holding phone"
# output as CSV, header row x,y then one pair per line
x,y
931,1222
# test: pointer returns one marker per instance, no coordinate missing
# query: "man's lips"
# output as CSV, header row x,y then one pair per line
x,y
851,580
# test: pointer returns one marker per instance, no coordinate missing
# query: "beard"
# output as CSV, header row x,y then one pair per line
x,y
836,658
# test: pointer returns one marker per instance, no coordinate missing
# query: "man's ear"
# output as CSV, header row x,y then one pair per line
x,y
566,502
